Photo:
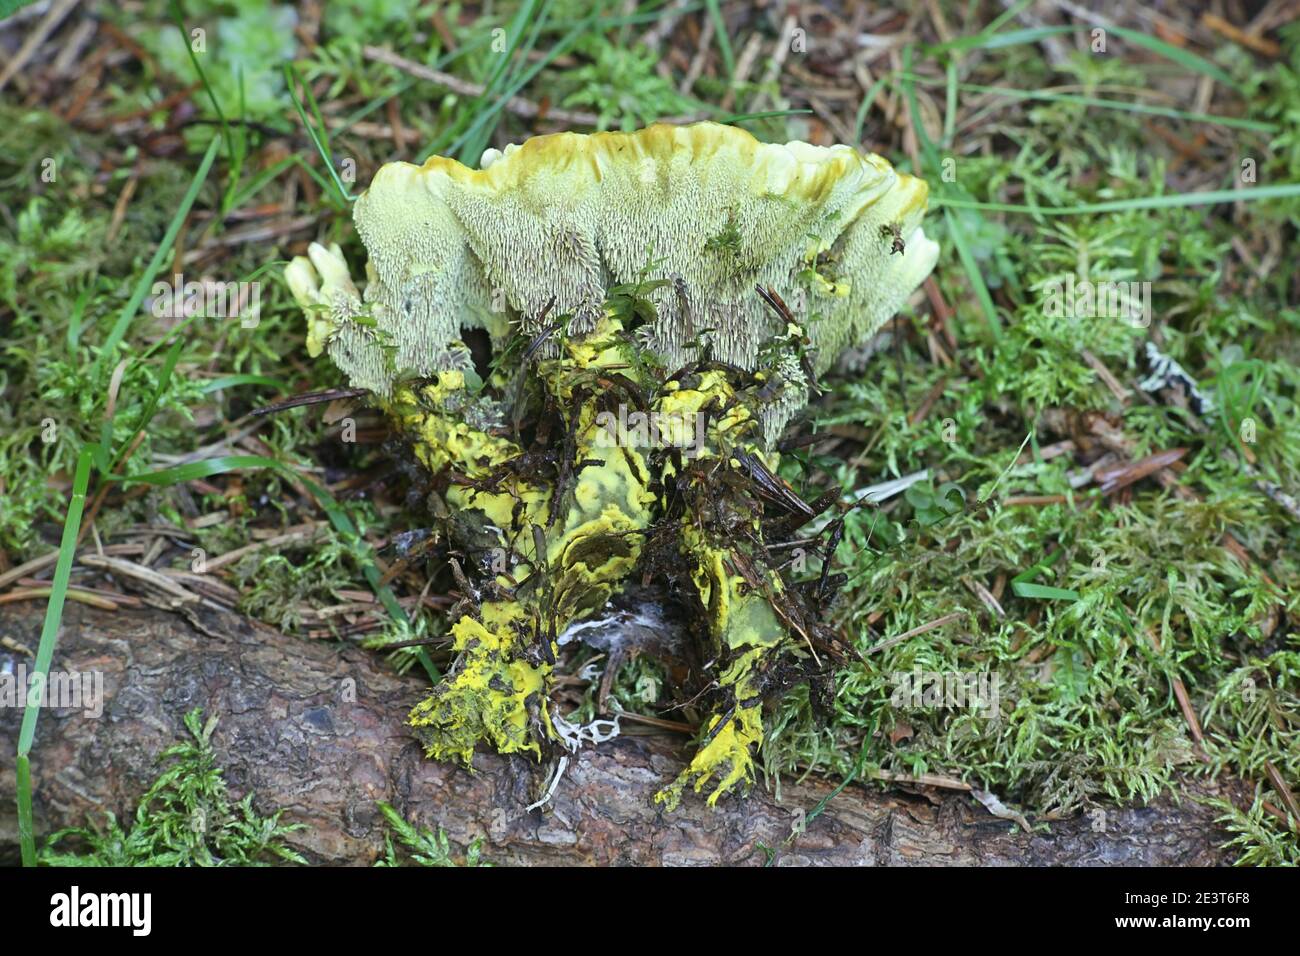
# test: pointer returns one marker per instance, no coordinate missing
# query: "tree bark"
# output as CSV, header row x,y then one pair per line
x,y
292,730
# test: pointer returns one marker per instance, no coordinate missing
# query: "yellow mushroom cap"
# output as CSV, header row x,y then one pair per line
x,y
568,216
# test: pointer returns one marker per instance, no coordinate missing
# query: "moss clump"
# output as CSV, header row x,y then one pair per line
x,y
423,847
186,818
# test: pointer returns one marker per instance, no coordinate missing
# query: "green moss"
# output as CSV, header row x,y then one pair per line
x,y
281,587
186,818
423,847
1087,713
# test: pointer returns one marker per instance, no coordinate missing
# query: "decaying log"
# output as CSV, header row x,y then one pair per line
x,y
292,729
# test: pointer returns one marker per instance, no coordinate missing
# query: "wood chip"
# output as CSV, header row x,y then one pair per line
x,y
516,104
922,629
44,561
148,577
1259,44
36,39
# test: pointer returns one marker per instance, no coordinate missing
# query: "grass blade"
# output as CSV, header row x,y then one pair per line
x,y
861,118
1254,194
26,835
145,282
226,134
558,50
480,108
231,381
950,103
973,274
1043,592
990,39
1143,108
473,145
147,413
735,118
321,140
199,469
75,320
45,650
931,159
1022,587
1108,104
724,41
1175,54
343,524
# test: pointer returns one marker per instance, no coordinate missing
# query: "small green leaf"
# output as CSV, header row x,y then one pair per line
x,y
1021,586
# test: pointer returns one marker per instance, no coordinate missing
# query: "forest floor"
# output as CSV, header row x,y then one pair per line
x,y
1093,509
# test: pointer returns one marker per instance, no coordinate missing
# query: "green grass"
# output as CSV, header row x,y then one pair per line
x,y
45,651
